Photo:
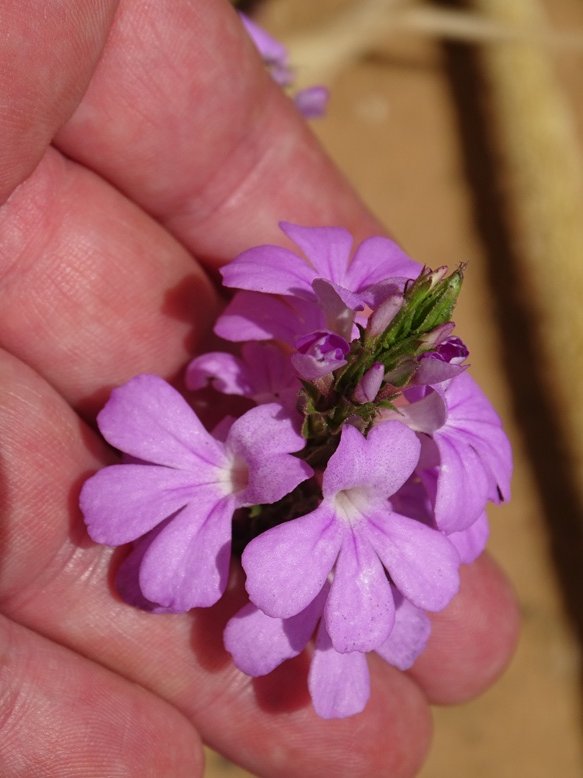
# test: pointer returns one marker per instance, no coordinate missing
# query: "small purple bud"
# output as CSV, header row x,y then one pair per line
x,y
319,353
442,364
384,314
369,385
452,350
438,335
312,101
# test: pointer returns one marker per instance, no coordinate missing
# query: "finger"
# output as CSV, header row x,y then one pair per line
x,y
62,716
55,581
481,625
93,290
47,54
182,117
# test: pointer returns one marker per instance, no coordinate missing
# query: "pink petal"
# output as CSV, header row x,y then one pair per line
x,y
187,565
270,372
263,431
462,485
127,579
360,609
270,269
493,447
339,683
470,412
264,438
382,462
470,542
273,478
378,259
338,314
435,371
425,415
122,502
225,372
327,248
408,637
421,561
260,643
254,316
288,565
150,420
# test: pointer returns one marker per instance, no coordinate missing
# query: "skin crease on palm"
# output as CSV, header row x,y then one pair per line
x,y
139,143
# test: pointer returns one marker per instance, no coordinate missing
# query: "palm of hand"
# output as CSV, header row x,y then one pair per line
x,y
180,148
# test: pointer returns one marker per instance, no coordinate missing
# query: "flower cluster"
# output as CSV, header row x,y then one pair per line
x,y
311,102
352,488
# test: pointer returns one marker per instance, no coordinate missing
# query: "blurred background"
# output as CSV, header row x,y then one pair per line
x,y
461,126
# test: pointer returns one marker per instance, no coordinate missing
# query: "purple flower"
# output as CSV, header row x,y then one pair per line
x,y
263,373
355,532
189,478
273,53
275,270
339,682
310,102
285,297
318,354
462,437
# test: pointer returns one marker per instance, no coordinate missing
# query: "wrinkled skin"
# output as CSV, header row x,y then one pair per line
x,y
139,143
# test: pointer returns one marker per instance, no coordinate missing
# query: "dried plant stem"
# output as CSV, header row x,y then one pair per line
x,y
541,165
323,53
475,28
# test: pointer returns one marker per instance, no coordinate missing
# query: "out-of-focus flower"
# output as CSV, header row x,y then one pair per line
x,y
310,102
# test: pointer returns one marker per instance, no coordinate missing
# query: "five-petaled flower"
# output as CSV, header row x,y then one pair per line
x,y
356,533
186,474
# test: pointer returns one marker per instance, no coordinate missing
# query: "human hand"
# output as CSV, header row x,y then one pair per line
x,y
181,147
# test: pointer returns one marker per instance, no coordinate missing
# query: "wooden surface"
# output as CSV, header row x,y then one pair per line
x,y
404,126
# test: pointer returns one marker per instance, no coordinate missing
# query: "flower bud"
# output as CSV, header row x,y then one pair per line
x,y
384,314
319,353
369,385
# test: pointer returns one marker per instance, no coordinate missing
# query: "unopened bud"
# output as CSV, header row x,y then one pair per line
x,y
369,385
